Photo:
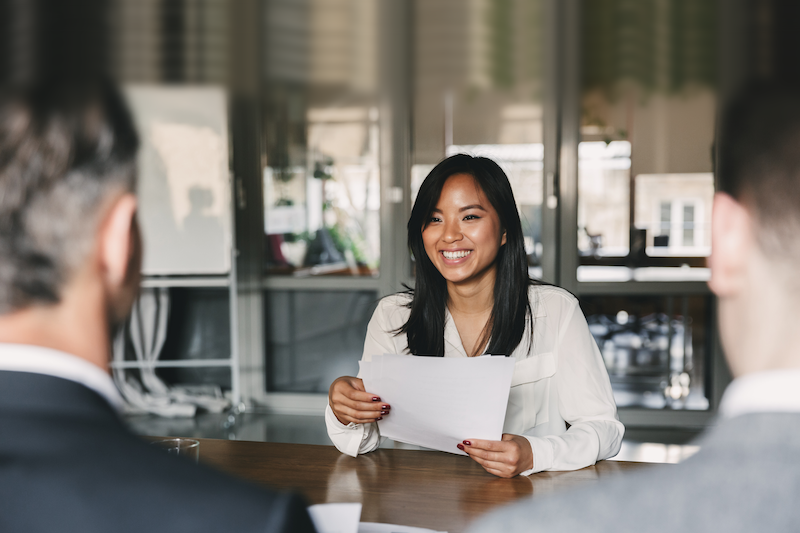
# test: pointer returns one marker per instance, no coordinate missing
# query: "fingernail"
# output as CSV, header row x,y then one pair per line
x,y
384,407
468,443
460,446
380,418
384,412
375,399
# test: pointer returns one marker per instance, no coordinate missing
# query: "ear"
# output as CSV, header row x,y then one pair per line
x,y
504,238
119,246
732,242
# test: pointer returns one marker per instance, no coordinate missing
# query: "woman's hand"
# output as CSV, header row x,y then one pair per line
x,y
351,403
504,458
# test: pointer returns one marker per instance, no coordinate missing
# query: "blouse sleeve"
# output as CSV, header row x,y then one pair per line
x,y
585,401
353,439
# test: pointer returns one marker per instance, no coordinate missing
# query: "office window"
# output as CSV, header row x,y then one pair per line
x,y
688,225
477,90
665,222
649,85
321,178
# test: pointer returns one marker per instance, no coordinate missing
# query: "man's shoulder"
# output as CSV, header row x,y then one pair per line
x,y
738,481
85,466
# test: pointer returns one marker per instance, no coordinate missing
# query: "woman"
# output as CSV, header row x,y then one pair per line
x,y
473,296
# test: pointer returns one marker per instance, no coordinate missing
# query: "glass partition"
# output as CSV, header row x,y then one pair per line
x,y
321,168
656,348
647,126
313,337
477,90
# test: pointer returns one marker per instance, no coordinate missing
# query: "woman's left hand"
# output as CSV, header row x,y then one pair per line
x,y
504,458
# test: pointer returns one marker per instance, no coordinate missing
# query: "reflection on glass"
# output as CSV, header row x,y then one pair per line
x,y
477,85
313,337
603,218
648,76
676,211
655,348
321,171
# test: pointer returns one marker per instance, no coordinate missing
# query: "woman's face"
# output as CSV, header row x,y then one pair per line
x,y
464,233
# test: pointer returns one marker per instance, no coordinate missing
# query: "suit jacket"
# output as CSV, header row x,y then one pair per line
x,y
746,477
67,463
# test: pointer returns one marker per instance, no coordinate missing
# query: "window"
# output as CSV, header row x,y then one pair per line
x,y
649,76
321,172
477,90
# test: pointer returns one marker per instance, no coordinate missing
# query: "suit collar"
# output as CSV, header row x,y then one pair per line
x,y
40,360
30,393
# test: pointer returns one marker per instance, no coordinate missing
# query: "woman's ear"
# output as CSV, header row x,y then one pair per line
x,y
504,238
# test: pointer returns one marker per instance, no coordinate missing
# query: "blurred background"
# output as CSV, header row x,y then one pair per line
x,y
284,142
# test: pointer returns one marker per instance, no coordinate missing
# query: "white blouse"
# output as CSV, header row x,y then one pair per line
x,y
560,378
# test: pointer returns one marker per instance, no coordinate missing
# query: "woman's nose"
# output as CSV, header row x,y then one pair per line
x,y
452,232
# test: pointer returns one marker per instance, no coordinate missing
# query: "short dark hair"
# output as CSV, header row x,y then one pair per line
x,y
64,148
512,311
759,163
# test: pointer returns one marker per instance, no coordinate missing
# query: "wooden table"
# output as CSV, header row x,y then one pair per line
x,y
428,489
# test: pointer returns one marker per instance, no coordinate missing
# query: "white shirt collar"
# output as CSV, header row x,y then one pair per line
x,y
40,360
773,391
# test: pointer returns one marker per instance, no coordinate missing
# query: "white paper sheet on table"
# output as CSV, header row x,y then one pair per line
x,y
373,527
437,402
344,518
336,517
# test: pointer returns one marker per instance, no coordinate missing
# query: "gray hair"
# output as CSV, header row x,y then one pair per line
x,y
64,149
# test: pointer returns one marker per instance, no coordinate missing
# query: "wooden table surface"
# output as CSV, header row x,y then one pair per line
x,y
428,489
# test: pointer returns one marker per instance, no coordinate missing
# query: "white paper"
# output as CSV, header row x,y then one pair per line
x,y
336,517
437,402
373,527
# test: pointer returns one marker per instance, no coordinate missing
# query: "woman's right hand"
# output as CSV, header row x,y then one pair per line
x,y
351,403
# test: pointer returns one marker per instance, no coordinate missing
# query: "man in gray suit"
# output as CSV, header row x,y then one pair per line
x,y
746,476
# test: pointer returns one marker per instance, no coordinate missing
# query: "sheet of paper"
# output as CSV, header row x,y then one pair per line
x,y
336,517
373,527
438,402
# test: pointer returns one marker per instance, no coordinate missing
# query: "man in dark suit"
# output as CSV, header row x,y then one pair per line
x,y
69,272
746,476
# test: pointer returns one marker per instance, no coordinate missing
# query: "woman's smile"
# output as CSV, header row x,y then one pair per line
x,y
456,254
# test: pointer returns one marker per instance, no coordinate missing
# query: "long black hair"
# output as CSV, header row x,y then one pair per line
x,y
512,310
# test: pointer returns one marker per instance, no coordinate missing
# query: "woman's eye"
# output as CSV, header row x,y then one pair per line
x,y
432,220
471,217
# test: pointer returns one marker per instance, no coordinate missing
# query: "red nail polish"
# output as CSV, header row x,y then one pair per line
x,y
384,412
380,418
384,407
468,443
375,399
460,446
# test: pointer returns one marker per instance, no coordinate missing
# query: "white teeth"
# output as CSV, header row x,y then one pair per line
x,y
456,255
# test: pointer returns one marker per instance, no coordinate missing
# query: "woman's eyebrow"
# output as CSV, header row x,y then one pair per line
x,y
473,206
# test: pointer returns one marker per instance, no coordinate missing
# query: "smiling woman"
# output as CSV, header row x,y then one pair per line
x,y
473,296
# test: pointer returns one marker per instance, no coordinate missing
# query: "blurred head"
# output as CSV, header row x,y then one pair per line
x,y
756,229
484,182
760,165
67,153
